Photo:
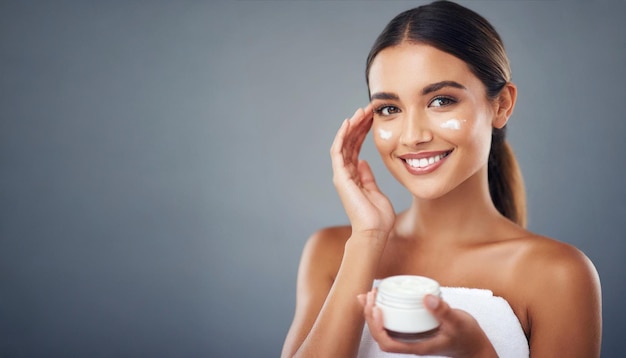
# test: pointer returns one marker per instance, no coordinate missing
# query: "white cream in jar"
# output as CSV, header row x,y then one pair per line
x,y
401,300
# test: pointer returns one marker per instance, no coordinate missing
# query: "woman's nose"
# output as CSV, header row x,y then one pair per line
x,y
416,129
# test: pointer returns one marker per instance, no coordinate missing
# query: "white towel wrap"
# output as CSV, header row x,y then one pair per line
x,y
493,313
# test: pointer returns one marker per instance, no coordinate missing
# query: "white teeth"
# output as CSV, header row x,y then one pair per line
x,y
423,162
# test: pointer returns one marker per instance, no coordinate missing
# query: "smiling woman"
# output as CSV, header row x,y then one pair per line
x,y
441,96
424,88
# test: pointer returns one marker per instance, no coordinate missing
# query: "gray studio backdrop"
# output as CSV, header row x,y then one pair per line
x,y
162,163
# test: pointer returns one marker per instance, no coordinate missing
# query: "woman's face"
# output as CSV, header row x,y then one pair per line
x,y
432,119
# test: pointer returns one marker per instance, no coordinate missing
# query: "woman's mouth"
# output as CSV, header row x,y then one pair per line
x,y
424,162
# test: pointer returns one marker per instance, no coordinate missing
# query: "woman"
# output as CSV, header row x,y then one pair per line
x,y
441,96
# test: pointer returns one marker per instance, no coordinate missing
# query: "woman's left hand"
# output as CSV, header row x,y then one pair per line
x,y
459,334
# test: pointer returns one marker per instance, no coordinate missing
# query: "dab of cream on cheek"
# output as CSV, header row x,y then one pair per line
x,y
453,124
384,134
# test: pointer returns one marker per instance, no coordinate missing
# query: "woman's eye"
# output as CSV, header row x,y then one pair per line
x,y
442,101
387,110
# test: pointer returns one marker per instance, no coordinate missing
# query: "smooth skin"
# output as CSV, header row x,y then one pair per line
x,y
451,232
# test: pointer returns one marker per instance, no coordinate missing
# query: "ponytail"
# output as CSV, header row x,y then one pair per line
x,y
506,185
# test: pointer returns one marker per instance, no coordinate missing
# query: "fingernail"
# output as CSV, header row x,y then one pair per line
x,y
432,302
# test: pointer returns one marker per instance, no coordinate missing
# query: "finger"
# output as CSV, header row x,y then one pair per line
x,y
375,323
422,347
367,177
347,144
345,174
426,346
352,139
374,317
362,114
370,301
338,141
357,123
376,327
360,139
336,149
356,116
361,124
362,299
439,309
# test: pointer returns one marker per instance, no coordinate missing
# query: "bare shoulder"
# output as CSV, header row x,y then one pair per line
x,y
548,261
324,249
561,288
332,235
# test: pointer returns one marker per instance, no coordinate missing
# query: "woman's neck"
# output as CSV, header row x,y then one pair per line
x,y
463,216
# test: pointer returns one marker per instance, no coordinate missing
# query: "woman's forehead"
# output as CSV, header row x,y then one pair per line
x,y
417,65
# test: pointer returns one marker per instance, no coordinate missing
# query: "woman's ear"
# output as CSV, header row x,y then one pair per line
x,y
504,105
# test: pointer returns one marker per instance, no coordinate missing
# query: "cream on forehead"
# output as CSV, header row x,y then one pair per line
x,y
452,123
384,134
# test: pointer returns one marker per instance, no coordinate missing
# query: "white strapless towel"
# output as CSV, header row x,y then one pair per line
x,y
493,313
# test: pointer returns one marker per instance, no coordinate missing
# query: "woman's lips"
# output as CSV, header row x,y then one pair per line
x,y
424,163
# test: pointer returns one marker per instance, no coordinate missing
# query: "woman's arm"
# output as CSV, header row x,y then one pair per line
x,y
328,319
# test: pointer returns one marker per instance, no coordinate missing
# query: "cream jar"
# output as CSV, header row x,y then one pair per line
x,y
401,300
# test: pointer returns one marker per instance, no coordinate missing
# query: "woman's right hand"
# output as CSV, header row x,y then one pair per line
x,y
370,211
458,335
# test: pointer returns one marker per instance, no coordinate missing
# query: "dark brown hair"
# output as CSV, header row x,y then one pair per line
x,y
468,36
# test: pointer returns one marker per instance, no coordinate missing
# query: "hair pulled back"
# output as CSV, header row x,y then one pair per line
x,y
468,36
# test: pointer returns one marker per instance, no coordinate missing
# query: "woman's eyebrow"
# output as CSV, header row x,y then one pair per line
x,y
439,85
426,90
384,96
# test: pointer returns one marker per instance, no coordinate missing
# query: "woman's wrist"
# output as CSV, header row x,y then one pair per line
x,y
363,251
369,234
369,240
